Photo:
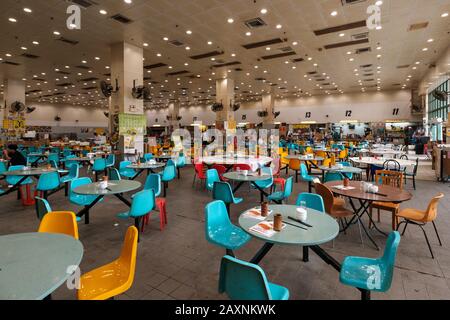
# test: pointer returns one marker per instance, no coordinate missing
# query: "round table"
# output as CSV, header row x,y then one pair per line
x,y
228,161
387,151
309,161
344,170
33,265
115,188
250,178
38,157
380,161
164,158
323,229
150,167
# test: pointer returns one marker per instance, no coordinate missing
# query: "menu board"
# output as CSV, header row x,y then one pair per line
x,y
132,124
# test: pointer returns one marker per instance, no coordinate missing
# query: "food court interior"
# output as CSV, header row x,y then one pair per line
x,y
239,149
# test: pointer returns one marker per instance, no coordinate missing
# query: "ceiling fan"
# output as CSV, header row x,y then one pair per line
x,y
108,89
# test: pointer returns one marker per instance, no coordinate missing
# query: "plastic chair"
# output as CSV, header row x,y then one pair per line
x,y
347,164
47,182
221,170
63,222
306,177
68,162
265,184
53,157
211,176
153,181
148,157
3,167
126,172
333,176
79,199
113,174
220,231
244,166
371,274
42,207
242,280
280,196
168,175
295,165
110,160
114,278
99,166
313,201
222,191
74,172
199,173
181,163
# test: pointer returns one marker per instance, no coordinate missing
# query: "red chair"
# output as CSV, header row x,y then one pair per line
x,y
277,180
237,167
161,206
221,170
199,173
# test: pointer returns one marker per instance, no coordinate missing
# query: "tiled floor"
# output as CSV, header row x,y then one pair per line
x,y
178,263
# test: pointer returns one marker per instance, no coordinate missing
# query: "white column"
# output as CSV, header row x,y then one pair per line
x,y
14,90
225,95
174,112
268,104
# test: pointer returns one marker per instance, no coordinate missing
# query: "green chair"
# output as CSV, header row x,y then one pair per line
x,y
312,201
220,231
222,191
242,280
280,196
371,274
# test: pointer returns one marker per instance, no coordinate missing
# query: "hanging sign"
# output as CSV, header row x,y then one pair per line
x,y
132,124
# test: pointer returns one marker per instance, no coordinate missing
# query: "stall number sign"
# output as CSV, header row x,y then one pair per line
x,y
19,124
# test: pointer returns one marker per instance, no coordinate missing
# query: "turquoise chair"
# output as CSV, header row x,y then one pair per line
x,y
3,167
313,201
110,160
242,280
304,176
33,160
12,180
42,207
153,181
99,166
114,174
333,176
126,172
220,231
79,199
168,175
74,172
48,182
142,204
148,157
68,162
222,191
181,163
347,164
279,196
371,274
265,184
211,176
67,153
53,157
53,164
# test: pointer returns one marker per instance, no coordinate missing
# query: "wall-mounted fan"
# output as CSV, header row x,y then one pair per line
x,y
108,89
30,109
106,114
179,118
263,114
17,107
235,107
58,118
440,95
276,114
140,92
217,107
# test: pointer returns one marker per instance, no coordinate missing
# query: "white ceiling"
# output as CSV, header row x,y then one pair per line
x,y
207,19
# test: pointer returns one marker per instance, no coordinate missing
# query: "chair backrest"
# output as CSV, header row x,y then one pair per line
x,y
143,202
327,196
42,207
313,201
304,171
416,167
321,154
127,258
199,170
148,156
74,170
111,159
431,212
241,166
389,178
169,172
288,187
221,170
404,157
388,260
216,218
211,176
222,191
294,164
181,160
53,164
48,181
124,164
99,164
326,162
53,157
3,167
78,183
242,280
63,222
114,174
153,181
333,176
393,165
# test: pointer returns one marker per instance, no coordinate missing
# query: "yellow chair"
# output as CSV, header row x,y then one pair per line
x,y
421,218
114,278
343,154
294,165
309,150
63,222
333,160
284,161
326,162
321,154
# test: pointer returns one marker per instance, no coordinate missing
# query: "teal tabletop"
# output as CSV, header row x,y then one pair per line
x,y
252,176
114,187
33,265
343,169
324,228
29,172
144,166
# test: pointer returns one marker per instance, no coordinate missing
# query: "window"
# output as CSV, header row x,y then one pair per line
x,y
438,108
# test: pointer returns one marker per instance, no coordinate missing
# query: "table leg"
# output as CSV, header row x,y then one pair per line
x,y
305,254
137,174
262,192
238,186
121,198
358,213
14,187
326,257
262,253
85,210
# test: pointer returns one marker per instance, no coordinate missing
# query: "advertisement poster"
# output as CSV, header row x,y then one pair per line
x,y
132,124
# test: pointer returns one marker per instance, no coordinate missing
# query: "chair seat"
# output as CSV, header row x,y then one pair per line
x,y
386,206
231,237
81,200
340,212
278,292
354,272
307,178
413,214
276,196
127,174
105,282
339,201
67,179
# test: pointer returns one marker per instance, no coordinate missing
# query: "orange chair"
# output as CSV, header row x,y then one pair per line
x,y
63,222
321,154
421,218
393,179
294,164
114,278
326,162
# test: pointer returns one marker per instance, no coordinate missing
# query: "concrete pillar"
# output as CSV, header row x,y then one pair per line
x,y
225,95
174,112
14,90
268,104
127,66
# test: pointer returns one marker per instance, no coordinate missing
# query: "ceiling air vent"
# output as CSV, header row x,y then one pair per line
x,y
64,84
82,67
418,26
348,2
84,3
280,55
29,56
368,74
286,49
89,88
176,43
403,66
238,69
366,66
154,66
38,79
122,19
11,63
363,50
255,23
227,64
65,40
63,72
88,79
263,43
176,73
207,55
360,36
298,60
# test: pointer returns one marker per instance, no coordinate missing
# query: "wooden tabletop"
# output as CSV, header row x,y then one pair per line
x,y
392,194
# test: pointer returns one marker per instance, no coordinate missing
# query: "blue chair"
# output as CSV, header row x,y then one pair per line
x,y
143,203
79,199
114,175
211,176
333,176
99,166
126,172
312,200
74,172
220,231
222,191
153,181
371,274
242,280
304,176
12,180
279,196
48,182
168,175
110,160
148,157
265,184
181,163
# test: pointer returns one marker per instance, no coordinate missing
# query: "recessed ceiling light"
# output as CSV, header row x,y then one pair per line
x,y
379,3
279,26
294,43
103,12
268,48
23,48
27,10
430,40
379,27
12,20
128,1
56,33
97,58
248,33
334,13
230,20
166,39
8,55
444,15
233,54
188,48
210,43
264,11
84,61
145,44
188,32
425,49
341,34
309,59
35,43
378,48
158,54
